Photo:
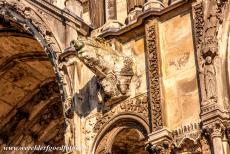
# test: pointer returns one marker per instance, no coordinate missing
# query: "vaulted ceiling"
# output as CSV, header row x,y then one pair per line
x,y
30,103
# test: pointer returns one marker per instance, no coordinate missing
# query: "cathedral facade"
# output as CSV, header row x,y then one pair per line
x,y
115,76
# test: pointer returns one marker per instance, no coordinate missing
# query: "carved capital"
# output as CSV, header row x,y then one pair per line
x,y
160,141
214,130
228,133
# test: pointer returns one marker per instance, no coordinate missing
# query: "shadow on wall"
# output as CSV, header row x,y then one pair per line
x,y
86,101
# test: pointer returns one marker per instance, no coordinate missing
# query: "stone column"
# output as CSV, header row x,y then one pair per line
x,y
215,132
134,9
110,10
217,143
153,5
74,6
111,16
225,145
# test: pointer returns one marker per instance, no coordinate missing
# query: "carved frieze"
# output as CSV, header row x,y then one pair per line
x,y
137,105
153,77
191,132
186,139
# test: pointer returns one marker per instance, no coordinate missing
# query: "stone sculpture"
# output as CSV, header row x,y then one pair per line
x,y
113,69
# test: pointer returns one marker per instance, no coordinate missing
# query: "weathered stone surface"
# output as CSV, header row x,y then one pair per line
x,y
140,76
179,71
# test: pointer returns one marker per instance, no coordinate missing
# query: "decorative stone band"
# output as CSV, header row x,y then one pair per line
x,y
191,131
153,78
188,139
137,105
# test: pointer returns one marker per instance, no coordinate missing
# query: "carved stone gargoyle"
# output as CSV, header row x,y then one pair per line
x,y
113,69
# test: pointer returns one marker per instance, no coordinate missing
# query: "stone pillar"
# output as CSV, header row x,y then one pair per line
x,y
110,10
111,16
217,143
134,8
215,132
74,6
225,145
153,5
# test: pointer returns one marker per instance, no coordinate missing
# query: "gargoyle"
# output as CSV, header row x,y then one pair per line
x,y
113,69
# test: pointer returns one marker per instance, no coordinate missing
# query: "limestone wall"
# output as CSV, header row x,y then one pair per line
x,y
179,78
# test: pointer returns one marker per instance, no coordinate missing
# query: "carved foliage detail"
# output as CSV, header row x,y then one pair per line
x,y
154,82
199,24
136,105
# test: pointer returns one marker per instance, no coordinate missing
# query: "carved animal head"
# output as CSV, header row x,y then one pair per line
x,y
114,70
97,55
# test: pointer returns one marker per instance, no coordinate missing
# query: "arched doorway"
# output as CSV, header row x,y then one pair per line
x,y
129,141
122,136
30,101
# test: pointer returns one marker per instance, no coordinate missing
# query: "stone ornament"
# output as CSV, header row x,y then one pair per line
x,y
153,76
113,69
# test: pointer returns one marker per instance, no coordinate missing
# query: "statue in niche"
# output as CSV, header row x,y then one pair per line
x,y
113,69
209,77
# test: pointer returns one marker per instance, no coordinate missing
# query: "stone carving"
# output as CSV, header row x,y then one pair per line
x,y
67,67
186,139
153,76
180,62
191,132
205,146
164,148
114,70
206,25
214,130
136,105
94,124
209,78
199,24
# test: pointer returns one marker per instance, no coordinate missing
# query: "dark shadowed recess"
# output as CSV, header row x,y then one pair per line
x,y
30,103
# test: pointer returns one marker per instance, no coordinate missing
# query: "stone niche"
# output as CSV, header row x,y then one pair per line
x,y
179,77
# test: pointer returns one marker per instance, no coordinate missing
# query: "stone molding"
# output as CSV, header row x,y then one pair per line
x,y
69,18
153,73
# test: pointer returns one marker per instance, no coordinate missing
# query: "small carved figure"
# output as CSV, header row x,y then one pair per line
x,y
209,73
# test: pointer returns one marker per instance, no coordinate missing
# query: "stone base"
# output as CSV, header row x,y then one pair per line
x,y
153,5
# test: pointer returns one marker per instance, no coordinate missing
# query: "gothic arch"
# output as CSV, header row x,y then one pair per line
x,y
116,125
18,12
44,98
